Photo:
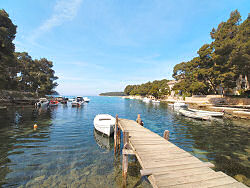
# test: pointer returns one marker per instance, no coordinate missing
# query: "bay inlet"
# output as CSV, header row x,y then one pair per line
x,y
66,151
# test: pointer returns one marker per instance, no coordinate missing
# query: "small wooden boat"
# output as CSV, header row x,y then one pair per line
x,y
195,115
104,123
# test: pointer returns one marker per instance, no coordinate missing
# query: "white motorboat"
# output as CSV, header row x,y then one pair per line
x,y
78,102
43,102
75,103
79,98
180,104
155,101
210,113
104,123
86,99
71,99
146,100
194,115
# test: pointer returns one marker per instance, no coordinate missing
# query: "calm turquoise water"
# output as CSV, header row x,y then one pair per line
x,y
65,151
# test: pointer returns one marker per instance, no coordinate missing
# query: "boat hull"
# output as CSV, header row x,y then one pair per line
x,y
194,115
153,101
146,100
86,99
53,103
42,104
108,130
104,126
209,113
180,104
75,104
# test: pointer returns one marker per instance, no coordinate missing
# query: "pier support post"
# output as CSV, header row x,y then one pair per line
x,y
125,158
166,135
119,139
115,134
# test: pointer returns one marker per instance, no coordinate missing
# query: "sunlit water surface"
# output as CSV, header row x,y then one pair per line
x,y
65,151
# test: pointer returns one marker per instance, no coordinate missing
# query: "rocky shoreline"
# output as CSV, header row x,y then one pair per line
x,y
17,98
232,110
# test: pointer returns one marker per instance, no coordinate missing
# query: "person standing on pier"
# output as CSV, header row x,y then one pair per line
x,y
139,120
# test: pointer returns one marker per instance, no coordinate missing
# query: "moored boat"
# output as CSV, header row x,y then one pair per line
x,y
71,99
75,103
86,99
146,100
61,100
104,123
43,102
53,103
78,101
210,113
155,101
180,104
194,115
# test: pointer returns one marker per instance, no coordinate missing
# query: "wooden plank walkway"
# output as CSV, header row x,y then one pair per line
x,y
165,164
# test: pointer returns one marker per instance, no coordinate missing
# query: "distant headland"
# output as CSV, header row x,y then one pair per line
x,y
120,93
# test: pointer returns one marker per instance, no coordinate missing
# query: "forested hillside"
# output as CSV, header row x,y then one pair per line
x,y
157,88
112,94
220,63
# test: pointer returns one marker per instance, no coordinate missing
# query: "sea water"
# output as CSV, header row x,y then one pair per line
x,y
66,151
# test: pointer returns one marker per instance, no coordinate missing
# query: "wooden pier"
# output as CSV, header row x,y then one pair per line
x,y
165,164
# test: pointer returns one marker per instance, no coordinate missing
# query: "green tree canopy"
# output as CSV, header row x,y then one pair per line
x,y
7,48
220,63
157,88
18,71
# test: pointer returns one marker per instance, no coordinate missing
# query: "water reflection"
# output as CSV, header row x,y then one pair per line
x,y
65,151
18,137
103,141
225,145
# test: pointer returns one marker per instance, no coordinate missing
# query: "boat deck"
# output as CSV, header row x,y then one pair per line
x,y
167,165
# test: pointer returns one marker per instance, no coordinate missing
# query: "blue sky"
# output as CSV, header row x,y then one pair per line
x,y
103,45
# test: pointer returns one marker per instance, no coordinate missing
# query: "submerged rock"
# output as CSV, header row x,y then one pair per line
x,y
243,179
39,178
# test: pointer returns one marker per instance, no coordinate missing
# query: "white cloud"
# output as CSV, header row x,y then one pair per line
x,y
64,10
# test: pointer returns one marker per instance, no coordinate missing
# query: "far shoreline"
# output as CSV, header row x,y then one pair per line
x,y
234,108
